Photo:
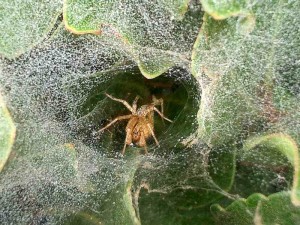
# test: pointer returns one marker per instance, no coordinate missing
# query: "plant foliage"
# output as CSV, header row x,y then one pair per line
x,y
228,72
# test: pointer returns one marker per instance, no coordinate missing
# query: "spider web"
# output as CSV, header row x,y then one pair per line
x,y
58,165
56,96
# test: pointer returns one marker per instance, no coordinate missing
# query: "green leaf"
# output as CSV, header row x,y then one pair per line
x,y
183,188
177,8
7,133
227,105
277,209
222,166
50,163
287,147
147,31
259,209
238,68
118,204
25,23
240,212
223,9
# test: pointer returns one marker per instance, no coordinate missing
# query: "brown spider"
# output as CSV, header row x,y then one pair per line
x,y
140,125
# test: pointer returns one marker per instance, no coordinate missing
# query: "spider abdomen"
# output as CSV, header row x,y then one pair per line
x,y
141,131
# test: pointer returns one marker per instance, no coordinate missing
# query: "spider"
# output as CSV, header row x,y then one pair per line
x,y
140,126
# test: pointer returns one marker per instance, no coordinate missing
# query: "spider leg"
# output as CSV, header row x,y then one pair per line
x,y
124,148
115,120
122,101
146,151
143,143
159,101
152,133
127,142
162,107
134,104
162,115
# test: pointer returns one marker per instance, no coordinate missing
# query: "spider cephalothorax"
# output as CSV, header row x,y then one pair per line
x,y
140,126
